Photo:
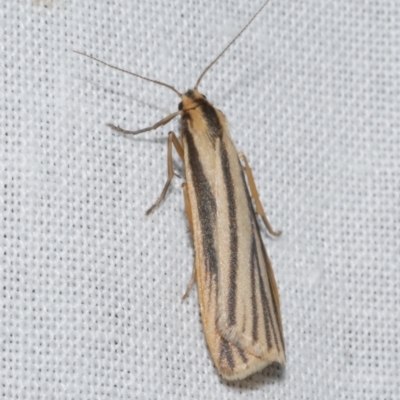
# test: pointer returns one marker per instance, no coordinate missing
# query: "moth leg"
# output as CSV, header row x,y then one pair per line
x,y
254,194
172,140
188,207
150,128
189,216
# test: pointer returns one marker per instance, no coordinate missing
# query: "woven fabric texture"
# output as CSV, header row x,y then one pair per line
x,y
91,288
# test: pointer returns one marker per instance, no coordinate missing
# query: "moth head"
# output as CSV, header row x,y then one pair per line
x,y
191,99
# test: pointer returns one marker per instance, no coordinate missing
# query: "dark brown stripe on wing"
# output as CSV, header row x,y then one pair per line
x,y
254,313
233,238
266,306
266,309
206,203
275,305
211,116
225,353
242,354
268,323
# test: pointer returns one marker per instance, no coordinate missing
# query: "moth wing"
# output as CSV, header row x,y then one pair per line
x,y
248,314
233,355
232,360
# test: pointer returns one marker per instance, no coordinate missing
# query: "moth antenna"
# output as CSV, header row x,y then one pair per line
x,y
130,73
229,45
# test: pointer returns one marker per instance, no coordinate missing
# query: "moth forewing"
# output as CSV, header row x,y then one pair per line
x,y
247,309
238,306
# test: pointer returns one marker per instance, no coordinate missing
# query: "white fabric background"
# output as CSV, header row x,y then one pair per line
x,y
90,287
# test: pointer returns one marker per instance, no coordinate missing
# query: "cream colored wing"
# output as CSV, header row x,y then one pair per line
x,y
248,303
234,357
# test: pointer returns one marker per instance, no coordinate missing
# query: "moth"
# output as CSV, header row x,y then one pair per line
x,y
238,293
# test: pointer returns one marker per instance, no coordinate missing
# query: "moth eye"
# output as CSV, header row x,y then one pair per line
x,y
180,106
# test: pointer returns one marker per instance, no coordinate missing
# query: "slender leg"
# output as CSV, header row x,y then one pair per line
x,y
254,193
188,207
150,128
172,140
189,216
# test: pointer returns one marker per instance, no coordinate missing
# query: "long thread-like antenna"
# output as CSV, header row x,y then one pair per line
x,y
229,45
131,73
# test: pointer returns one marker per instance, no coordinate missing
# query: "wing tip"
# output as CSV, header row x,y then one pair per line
x,y
237,375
